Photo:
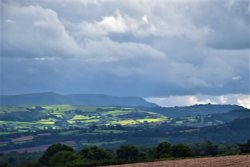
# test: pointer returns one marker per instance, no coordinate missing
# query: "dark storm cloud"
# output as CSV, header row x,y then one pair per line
x,y
229,22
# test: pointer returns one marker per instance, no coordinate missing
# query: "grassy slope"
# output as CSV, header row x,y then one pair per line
x,y
63,116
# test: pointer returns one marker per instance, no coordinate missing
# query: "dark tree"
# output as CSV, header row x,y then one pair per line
x,y
209,148
62,159
224,149
205,148
163,150
128,153
34,164
4,164
52,150
95,153
245,148
181,150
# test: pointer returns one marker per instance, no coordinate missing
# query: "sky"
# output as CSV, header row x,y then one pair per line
x,y
171,52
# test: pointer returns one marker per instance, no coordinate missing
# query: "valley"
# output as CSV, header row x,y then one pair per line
x,y
32,128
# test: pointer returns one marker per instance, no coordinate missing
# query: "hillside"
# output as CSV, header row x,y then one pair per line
x,y
225,161
200,109
24,127
50,98
21,118
233,132
210,119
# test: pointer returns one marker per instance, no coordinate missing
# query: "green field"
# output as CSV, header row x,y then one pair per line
x,y
39,126
17,119
33,118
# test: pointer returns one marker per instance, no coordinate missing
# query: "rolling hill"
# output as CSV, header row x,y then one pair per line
x,y
211,119
199,109
50,98
231,132
26,126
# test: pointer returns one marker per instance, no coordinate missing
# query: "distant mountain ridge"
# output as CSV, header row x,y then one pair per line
x,y
199,109
51,98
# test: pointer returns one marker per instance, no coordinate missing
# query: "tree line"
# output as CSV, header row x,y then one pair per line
x,y
60,155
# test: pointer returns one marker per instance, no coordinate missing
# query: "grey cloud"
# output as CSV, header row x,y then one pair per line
x,y
35,31
159,48
228,21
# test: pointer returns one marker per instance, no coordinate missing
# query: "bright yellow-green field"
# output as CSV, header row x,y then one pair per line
x,y
46,122
138,121
63,108
152,120
125,122
116,112
83,121
64,116
49,121
83,118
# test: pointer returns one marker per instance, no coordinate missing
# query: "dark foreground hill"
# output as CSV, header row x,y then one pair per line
x,y
51,98
225,161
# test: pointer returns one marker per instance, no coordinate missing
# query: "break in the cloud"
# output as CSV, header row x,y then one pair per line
x,y
238,99
147,48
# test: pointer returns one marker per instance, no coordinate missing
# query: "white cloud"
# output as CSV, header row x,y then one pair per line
x,y
244,101
115,23
145,19
179,101
236,77
222,100
238,99
36,31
